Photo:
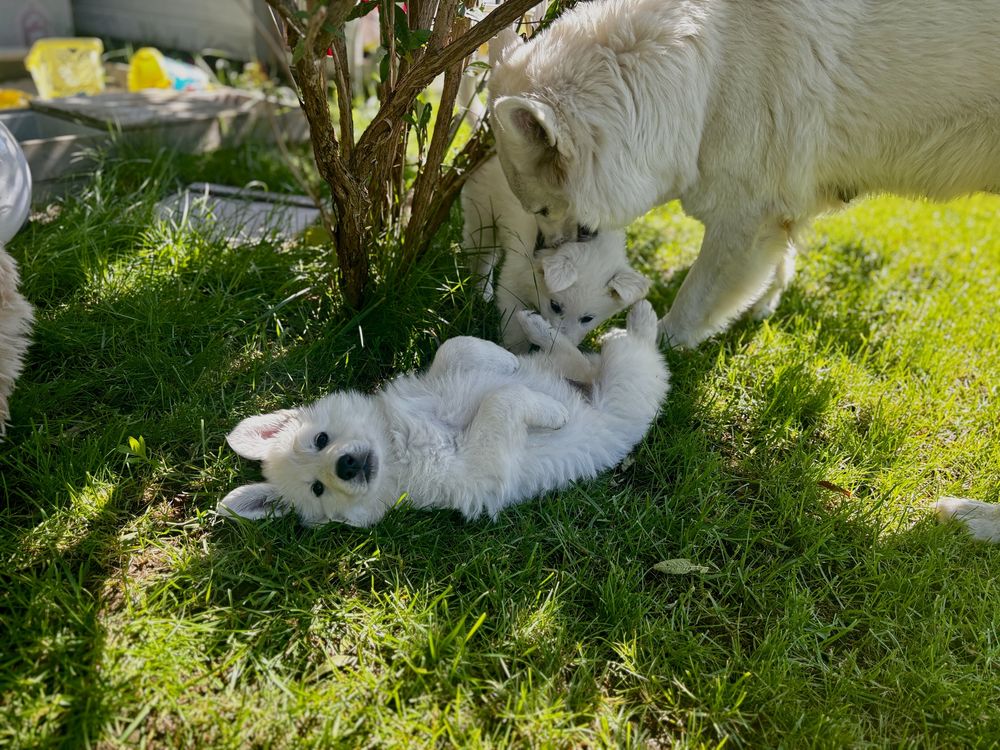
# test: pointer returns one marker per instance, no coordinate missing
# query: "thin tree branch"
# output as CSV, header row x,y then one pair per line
x,y
430,172
288,9
345,96
476,150
387,30
444,19
326,22
417,78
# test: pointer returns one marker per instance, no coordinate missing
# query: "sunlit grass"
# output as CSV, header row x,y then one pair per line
x,y
794,460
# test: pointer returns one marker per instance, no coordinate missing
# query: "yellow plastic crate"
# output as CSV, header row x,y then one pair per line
x,y
63,67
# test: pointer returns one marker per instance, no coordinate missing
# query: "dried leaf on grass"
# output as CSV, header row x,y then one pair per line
x,y
679,566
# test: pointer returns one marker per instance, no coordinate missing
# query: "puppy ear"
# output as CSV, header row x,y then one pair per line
x,y
629,286
251,436
532,123
559,271
502,45
253,501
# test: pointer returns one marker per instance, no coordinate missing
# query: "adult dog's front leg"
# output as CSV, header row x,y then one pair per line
x,y
731,272
768,302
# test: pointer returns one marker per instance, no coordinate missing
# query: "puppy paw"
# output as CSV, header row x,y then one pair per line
x,y
538,330
765,306
641,321
675,337
548,415
982,520
485,286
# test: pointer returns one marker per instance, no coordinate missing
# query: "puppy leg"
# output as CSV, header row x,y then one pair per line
x,y
480,236
633,378
470,353
981,520
491,445
491,450
505,414
558,351
511,331
766,305
731,271
487,255
640,323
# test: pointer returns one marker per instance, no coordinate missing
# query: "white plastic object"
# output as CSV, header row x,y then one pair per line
x,y
15,185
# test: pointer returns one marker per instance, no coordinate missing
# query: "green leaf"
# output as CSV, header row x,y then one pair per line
x,y
425,114
363,9
418,38
337,31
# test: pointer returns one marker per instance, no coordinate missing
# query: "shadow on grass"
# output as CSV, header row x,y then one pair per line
x,y
573,611
565,583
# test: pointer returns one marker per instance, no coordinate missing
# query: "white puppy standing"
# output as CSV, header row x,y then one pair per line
x,y
480,430
575,287
755,115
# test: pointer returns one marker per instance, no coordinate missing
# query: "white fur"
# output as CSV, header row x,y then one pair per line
x,y
15,325
982,520
480,430
15,312
756,115
575,287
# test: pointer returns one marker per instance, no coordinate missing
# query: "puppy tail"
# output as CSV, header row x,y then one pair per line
x,y
981,520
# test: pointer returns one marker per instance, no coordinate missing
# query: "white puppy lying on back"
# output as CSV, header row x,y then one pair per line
x,y
575,287
480,430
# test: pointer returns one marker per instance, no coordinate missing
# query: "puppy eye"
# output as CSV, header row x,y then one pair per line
x,y
317,488
555,307
320,441
586,319
585,233
543,211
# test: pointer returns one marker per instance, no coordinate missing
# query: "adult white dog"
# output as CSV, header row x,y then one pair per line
x,y
575,287
756,115
480,430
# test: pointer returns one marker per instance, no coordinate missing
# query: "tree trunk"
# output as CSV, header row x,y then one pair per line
x,y
366,178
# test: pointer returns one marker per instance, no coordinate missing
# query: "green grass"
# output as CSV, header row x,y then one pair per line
x,y
131,616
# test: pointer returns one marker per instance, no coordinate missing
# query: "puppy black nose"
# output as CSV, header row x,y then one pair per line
x,y
584,233
350,465
539,241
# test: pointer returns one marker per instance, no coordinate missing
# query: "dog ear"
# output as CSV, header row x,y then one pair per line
x,y
559,271
502,45
531,122
250,437
629,286
253,501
